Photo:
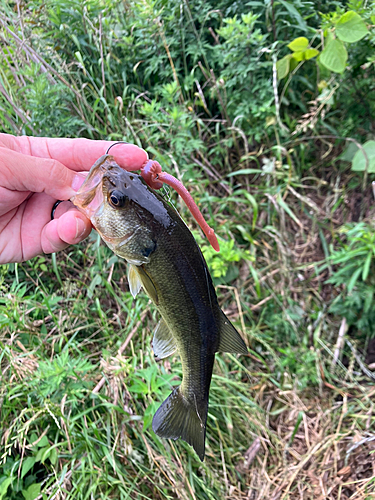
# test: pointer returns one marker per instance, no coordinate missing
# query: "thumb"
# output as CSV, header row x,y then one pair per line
x,y
19,172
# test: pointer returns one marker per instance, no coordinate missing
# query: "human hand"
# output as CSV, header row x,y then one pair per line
x,y
35,172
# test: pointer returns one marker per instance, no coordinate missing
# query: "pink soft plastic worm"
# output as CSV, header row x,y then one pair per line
x,y
154,176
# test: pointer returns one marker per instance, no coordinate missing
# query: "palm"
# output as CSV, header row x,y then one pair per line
x,y
34,173
23,223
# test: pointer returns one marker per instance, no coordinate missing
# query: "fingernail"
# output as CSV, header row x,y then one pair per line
x,y
80,228
77,182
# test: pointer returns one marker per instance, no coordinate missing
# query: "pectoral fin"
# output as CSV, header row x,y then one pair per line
x,y
230,339
148,285
134,280
163,342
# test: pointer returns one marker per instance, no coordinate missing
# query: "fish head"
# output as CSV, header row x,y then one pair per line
x,y
123,209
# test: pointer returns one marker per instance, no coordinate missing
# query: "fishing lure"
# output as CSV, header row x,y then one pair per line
x,y
153,175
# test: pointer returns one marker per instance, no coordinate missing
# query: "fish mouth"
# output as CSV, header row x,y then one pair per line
x,y
89,198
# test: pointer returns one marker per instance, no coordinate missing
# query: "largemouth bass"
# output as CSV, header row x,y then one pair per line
x,y
164,259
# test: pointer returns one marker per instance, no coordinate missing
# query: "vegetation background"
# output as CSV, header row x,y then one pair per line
x,y
265,110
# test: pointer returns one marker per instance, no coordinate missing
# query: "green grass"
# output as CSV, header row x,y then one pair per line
x,y
192,83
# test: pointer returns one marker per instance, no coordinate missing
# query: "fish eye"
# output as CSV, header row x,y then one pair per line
x,y
117,199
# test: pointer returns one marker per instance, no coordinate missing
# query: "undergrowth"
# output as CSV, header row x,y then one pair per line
x,y
267,156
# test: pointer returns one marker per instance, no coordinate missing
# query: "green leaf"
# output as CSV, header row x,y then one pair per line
x,y
299,44
295,14
298,56
27,465
349,152
359,160
32,491
42,454
255,276
282,67
334,56
246,171
366,267
285,207
4,487
296,427
310,53
95,282
350,27
305,55
353,279
43,442
53,456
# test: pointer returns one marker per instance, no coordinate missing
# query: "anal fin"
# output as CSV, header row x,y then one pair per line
x,y
163,342
230,340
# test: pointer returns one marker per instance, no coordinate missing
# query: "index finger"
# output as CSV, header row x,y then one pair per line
x,y
76,154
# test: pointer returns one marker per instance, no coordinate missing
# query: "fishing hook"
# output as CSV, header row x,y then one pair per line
x,y
54,208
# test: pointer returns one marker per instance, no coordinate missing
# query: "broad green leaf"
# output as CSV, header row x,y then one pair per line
x,y
282,67
334,56
27,464
293,63
350,27
40,456
4,487
349,152
44,441
32,492
298,56
310,53
299,44
359,160
328,36
305,55
53,456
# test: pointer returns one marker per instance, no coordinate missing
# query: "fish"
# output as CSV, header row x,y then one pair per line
x,y
164,259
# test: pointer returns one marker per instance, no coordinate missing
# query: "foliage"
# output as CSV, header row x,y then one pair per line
x,y
221,265
244,77
354,272
348,27
364,158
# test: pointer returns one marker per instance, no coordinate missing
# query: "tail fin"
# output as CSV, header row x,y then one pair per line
x,y
179,418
